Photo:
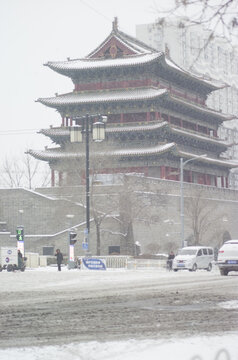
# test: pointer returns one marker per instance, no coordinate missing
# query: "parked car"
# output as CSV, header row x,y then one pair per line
x,y
193,258
228,257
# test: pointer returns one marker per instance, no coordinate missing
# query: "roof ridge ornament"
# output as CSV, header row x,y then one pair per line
x,y
115,24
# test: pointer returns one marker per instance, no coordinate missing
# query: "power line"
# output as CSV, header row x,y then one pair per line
x,y
95,10
18,131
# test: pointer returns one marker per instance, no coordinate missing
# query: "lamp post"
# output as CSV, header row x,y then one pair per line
x,y
20,234
71,263
97,129
182,164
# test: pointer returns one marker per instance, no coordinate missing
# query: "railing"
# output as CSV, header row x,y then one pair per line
x,y
130,263
145,264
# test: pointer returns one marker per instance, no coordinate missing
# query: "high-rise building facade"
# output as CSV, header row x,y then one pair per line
x,y
188,47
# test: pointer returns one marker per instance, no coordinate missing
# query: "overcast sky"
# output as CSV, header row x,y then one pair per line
x,y
33,32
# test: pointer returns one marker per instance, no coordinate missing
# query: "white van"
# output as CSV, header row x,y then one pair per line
x,y
228,257
193,258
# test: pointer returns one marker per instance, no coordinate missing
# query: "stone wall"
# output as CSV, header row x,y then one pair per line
x,y
157,227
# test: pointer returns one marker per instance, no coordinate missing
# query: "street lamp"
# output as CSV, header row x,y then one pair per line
x,y
182,164
20,234
71,263
97,129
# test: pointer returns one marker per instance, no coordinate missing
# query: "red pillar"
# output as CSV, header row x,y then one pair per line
x,y
162,172
122,118
148,116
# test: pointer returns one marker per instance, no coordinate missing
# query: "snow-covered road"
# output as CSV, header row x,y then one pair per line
x,y
141,313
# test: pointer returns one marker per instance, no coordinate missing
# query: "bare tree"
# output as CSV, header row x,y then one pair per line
x,y
136,205
203,217
220,16
12,173
24,172
31,167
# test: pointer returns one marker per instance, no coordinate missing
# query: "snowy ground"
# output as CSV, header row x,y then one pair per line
x,y
126,314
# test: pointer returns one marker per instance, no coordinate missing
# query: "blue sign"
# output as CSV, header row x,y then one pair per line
x,y
86,231
94,264
85,245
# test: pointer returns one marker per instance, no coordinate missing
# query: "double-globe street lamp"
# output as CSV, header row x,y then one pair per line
x,y
87,125
182,164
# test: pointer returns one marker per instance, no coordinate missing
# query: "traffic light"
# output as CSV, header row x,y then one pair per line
x,y
20,234
72,236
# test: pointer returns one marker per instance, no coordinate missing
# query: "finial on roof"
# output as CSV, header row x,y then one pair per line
x,y
115,24
167,51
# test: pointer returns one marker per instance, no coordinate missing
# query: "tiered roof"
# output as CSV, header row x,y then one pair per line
x,y
129,153
109,97
133,53
121,51
62,134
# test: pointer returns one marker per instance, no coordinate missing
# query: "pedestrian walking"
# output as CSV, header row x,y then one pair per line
x,y
171,256
20,259
59,259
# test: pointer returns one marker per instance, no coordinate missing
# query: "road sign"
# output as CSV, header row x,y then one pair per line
x,y
85,245
94,264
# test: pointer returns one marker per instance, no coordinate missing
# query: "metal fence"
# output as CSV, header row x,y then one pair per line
x,y
128,262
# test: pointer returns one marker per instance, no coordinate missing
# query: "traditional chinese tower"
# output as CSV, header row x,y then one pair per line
x,y
156,115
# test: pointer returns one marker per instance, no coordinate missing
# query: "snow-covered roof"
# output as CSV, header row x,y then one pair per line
x,y
60,154
77,65
136,94
134,53
197,136
76,98
136,45
100,63
210,160
217,116
217,84
135,128
165,124
56,131
64,132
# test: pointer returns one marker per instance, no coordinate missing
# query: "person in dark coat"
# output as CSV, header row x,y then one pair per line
x,y
170,260
20,259
59,259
